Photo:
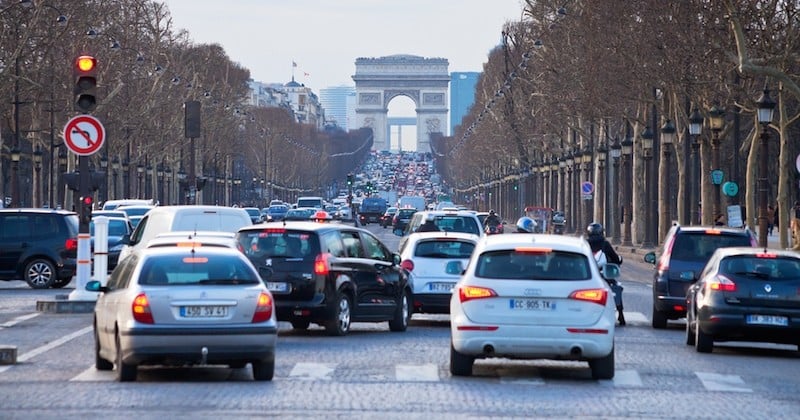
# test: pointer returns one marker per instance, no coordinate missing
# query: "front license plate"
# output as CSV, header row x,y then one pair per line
x,y
278,287
204,311
532,304
441,287
779,321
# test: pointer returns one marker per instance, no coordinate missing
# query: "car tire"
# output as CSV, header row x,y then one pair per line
x,y
460,364
703,342
60,283
40,273
659,320
125,372
99,362
402,314
603,368
301,324
263,370
340,324
690,337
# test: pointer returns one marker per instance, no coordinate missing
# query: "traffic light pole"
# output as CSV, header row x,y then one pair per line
x,y
84,260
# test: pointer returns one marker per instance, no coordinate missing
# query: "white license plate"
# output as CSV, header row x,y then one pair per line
x,y
532,304
277,287
780,321
204,311
441,287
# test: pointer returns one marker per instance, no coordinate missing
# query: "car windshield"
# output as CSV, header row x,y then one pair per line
x,y
115,227
533,265
193,269
698,247
444,248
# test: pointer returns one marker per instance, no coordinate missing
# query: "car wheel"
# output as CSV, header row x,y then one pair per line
x,y
402,314
59,283
703,342
40,273
689,331
301,324
125,372
659,319
263,370
99,362
603,368
340,324
460,364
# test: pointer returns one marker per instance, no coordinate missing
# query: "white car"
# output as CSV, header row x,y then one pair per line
x,y
434,261
194,239
533,296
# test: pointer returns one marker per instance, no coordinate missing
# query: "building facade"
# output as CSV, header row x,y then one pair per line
x,y
334,101
462,95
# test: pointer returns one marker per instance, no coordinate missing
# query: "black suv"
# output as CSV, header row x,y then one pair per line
x,y
39,246
685,252
329,274
401,218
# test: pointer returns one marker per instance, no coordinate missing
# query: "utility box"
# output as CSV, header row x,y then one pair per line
x,y
8,355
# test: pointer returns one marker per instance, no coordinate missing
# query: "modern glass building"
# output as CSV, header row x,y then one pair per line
x,y
462,95
335,102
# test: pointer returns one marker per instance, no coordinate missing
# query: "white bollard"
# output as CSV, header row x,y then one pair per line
x,y
84,267
100,272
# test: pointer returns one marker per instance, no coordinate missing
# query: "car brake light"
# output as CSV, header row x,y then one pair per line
x,y
466,293
722,284
532,250
71,244
263,308
713,232
141,309
321,266
598,296
408,265
766,255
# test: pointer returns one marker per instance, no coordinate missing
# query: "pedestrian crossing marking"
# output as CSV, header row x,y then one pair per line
x,y
636,318
417,373
725,383
627,379
312,371
94,375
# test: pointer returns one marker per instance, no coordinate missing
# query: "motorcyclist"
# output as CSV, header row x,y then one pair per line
x,y
492,221
604,253
525,225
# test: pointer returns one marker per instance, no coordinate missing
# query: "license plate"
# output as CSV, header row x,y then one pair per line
x,y
204,311
532,304
441,287
278,287
780,321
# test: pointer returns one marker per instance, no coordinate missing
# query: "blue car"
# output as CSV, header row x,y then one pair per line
x,y
277,212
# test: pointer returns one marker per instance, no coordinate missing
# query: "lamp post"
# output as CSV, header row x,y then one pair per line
x,y
104,169
766,107
160,173
586,208
647,154
126,185
148,189
616,199
716,119
667,140
37,180
695,127
168,177
182,183
627,202
15,156
115,171
602,192
139,183
570,190
62,169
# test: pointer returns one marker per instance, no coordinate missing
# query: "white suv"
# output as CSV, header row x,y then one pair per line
x,y
463,221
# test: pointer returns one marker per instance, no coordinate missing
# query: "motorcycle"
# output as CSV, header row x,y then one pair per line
x,y
493,229
558,228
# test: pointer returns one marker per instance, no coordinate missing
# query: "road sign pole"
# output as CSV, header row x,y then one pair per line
x,y
84,260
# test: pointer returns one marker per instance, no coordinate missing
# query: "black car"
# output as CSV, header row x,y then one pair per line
x,y
39,246
745,294
329,274
401,218
685,252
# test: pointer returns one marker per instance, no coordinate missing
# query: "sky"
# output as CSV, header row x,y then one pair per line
x,y
324,37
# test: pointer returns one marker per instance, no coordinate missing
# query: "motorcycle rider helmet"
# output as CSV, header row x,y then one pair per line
x,y
491,213
525,225
594,229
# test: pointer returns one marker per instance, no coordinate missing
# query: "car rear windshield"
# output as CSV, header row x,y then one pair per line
x,y
699,246
533,264
457,224
196,268
774,268
444,248
278,242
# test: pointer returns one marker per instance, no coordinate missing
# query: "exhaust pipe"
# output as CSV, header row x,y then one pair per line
x,y
488,350
575,351
204,354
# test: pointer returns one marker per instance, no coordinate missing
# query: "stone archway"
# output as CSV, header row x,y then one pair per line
x,y
424,80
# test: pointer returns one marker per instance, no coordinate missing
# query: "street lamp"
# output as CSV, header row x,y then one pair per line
x,y
148,189
766,107
647,153
15,156
62,169
126,185
37,167
115,168
139,175
716,120
602,190
615,152
104,169
627,206
160,173
182,182
667,140
695,127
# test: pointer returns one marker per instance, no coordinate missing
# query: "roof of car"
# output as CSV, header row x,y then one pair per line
x,y
299,225
748,250
36,210
714,229
559,242
421,236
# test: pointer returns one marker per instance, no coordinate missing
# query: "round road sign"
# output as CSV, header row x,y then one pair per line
x,y
84,135
587,187
730,188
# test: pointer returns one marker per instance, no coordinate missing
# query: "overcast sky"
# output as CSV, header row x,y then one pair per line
x,y
324,37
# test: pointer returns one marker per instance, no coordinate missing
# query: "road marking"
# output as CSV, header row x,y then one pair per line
x,y
19,319
717,382
47,347
312,371
627,378
521,381
635,318
417,373
94,375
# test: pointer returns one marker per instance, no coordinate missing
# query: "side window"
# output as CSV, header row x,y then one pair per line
x,y
120,277
332,244
352,245
43,226
374,248
136,236
15,227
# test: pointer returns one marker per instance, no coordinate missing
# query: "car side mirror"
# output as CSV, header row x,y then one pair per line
x,y
650,257
611,271
95,286
398,232
396,258
126,239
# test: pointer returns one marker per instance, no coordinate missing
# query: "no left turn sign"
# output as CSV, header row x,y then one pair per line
x,y
84,135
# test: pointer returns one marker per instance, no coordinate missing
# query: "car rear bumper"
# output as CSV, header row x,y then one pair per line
x,y
312,310
669,305
432,303
729,325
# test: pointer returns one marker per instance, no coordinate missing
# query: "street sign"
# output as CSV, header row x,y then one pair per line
x,y
716,176
84,135
587,188
730,188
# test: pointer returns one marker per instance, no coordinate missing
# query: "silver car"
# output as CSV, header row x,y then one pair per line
x,y
184,306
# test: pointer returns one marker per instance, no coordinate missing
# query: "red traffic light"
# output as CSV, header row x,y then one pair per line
x,y
87,201
86,63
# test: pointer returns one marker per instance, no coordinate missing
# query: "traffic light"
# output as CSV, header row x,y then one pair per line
x,y
87,203
349,180
85,73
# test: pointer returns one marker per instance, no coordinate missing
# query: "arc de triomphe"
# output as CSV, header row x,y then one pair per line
x,y
424,80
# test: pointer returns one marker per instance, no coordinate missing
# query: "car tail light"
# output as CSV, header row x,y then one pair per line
x,y
263,308
663,263
408,265
71,244
466,293
321,265
722,284
141,309
598,296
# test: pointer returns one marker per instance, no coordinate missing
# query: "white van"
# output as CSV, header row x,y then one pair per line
x,y
162,219
113,204
317,202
